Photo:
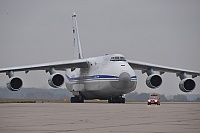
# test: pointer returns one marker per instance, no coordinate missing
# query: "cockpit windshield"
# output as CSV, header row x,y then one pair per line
x,y
117,58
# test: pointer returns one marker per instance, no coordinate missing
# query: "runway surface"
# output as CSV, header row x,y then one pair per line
x,y
99,118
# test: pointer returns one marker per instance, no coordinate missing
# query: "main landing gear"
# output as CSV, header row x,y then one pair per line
x,y
77,99
119,99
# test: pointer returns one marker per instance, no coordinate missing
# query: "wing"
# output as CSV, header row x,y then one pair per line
x,y
55,80
61,65
136,65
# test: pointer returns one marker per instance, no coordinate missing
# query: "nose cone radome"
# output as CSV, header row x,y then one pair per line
x,y
124,81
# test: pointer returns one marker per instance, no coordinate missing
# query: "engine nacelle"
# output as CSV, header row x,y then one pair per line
x,y
187,85
14,84
56,80
153,81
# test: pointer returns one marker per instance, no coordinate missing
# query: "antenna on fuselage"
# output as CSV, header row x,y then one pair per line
x,y
76,41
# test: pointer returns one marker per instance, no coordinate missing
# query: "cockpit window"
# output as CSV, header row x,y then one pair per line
x,y
122,59
117,59
112,59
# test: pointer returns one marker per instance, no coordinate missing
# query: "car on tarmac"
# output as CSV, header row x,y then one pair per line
x,y
153,99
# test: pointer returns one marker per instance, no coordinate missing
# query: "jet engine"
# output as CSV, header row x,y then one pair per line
x,y
14,84
153,81
187,85
56,80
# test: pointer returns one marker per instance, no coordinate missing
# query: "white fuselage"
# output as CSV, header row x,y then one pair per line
x,y
105,77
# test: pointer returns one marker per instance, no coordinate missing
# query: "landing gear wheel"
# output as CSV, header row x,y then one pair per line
x,y
109,100
116,100
123,100
77,99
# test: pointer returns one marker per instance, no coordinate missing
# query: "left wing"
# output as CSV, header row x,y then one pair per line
x,y
154,80
136,65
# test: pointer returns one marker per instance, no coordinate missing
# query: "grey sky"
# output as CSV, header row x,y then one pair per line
x,y
160,32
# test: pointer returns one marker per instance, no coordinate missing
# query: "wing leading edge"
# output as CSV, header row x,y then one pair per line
x,y
61,65
136,65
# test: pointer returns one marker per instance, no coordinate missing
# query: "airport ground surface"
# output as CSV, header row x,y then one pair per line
x,y
99,118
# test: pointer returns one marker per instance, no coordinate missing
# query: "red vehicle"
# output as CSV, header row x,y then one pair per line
x,y
153,99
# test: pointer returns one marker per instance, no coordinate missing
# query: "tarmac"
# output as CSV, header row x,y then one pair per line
x,y
99,118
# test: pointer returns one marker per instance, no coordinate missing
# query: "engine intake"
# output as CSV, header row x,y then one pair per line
x,y
14,84
56,80
187,85
154,81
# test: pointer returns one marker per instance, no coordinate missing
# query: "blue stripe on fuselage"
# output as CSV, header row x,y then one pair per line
x,y
97,77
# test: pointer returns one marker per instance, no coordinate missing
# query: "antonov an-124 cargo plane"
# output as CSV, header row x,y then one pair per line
x,y
106,77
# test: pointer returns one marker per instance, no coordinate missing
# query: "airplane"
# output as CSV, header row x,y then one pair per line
x,y
106,77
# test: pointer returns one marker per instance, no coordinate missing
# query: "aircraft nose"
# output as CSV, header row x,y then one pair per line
x,y
124,77
124,81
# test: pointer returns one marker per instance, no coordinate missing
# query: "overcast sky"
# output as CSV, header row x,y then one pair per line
x,y
160,32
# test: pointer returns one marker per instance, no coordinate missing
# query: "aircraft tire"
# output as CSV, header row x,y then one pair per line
x,y
77,99
123,100
116,100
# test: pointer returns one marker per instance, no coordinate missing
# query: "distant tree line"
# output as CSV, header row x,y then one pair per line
x,y
180,98
61,93
142,97
35,93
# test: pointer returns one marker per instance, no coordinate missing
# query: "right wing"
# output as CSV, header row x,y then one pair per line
x,y
61,65
55,80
